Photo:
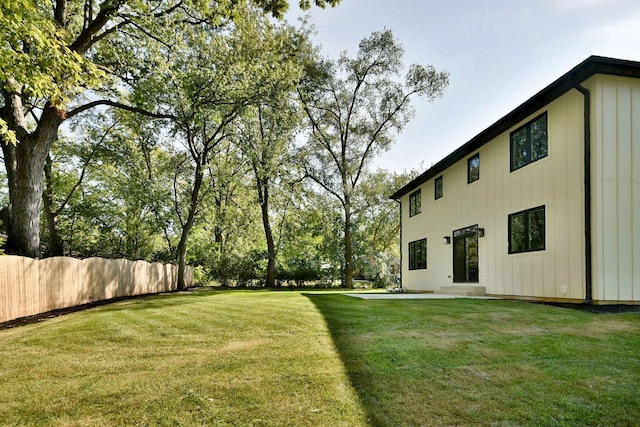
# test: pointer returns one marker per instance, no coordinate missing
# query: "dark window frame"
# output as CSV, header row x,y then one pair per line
x,y
437,194
418,254
534,147
471,176
534,239
415,203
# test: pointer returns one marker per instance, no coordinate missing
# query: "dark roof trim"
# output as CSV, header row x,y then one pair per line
x,y
581,72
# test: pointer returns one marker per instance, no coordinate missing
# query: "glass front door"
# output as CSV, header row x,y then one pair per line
x,y
465,255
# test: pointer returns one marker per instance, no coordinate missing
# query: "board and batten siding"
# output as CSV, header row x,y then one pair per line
x,y
555,182
616,187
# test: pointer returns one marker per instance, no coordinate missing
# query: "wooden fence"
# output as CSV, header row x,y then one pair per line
x,y
31,286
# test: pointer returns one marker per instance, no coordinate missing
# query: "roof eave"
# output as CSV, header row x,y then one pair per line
x,y
578,74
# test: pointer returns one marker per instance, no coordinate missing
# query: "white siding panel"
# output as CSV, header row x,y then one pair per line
x,y
616,192
635,188
516,277
623,133
597,207
537,275
609,241
559,243
609,134
550,277
526,279
625,204
576,286
625,242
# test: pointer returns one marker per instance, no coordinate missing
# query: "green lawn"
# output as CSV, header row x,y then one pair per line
x,y
259,358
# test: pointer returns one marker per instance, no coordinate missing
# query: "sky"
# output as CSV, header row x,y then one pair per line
x,y
499,53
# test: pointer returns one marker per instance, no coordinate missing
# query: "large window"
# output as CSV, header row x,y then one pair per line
x,y
415,203
526,231
437,184
418,255
473,168
529,142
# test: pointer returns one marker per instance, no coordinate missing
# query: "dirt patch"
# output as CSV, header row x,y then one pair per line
x,y
598,308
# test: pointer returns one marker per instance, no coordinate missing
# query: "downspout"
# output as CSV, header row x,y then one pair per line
x,y
587,192
400,208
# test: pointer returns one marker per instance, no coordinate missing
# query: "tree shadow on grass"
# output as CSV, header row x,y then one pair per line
x,y
413,362
367,367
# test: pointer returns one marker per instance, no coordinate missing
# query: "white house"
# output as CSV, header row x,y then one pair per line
x,y
544,204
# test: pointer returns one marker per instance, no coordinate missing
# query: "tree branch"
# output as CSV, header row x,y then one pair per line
x,y
325,187
86,39
93,104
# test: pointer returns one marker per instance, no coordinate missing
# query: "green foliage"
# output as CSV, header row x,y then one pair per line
x,y
119,209
278,7
35,58
223,78
53,51
36,61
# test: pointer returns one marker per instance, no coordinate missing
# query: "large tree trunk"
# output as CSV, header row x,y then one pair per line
x,y
182,258
186,228
263,191
56,247
24,231
25,165
26,195
348,251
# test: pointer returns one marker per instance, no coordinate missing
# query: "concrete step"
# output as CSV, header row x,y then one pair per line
x,y
464,290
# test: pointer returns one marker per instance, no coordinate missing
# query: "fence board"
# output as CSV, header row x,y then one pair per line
x,y
30,286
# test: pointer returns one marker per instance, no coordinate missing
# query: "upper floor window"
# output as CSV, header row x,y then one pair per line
x,y
529,142
473,168
437,187
418,255
526,231
415,203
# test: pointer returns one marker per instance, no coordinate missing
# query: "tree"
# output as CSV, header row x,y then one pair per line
x,y
377,225
50,55
353,107
266,134
216,75
231,220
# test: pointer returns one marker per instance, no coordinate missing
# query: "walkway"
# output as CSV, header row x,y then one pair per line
x,y
411,295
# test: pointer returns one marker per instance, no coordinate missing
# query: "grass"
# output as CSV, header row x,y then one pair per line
x,y
256,358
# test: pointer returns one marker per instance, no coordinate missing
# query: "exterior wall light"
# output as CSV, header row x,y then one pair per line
x,y
446,240
480,232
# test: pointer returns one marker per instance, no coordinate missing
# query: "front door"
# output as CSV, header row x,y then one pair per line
x,y
465,255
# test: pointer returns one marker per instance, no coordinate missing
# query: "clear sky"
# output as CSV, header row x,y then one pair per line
x,y
499,53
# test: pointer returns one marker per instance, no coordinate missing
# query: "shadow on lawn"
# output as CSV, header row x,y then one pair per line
x,y
368,335
360,367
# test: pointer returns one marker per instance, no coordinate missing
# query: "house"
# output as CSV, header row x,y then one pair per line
x,y
542,205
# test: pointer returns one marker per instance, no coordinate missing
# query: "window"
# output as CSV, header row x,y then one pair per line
x,y
526,231
418,255
473,168
415,203
529,143
437,184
